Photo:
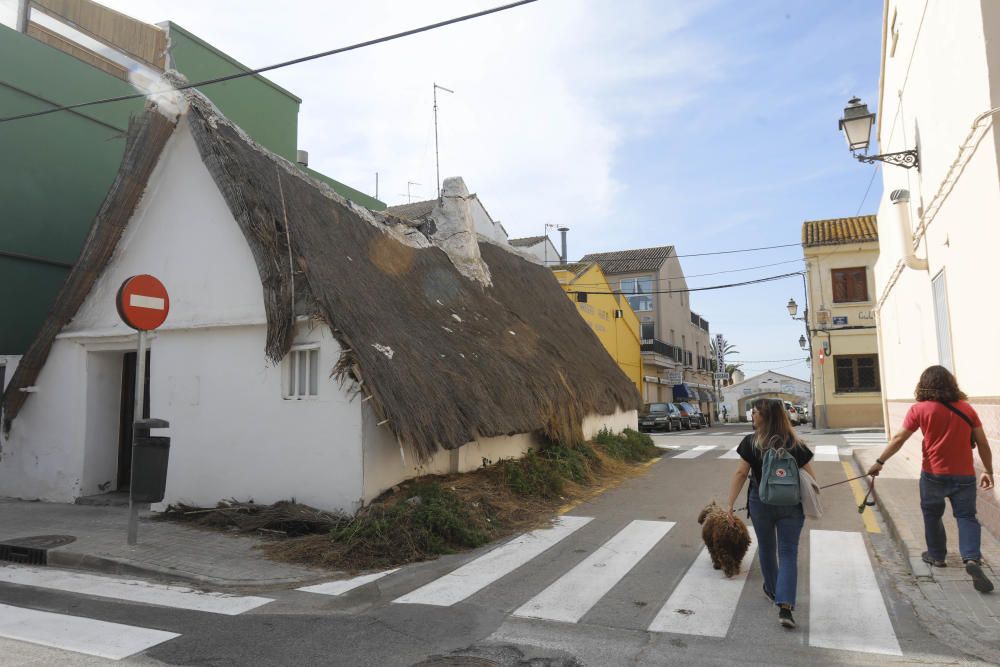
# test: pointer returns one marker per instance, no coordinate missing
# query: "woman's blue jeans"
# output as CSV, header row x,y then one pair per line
x,y
778,529
961,490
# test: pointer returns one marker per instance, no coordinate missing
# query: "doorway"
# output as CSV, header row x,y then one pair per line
x,y
127,416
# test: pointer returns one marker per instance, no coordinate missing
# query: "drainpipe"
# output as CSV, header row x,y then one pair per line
x,y
563,230
901,199
23,15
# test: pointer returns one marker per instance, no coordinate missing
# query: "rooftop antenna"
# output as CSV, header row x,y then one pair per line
x,y
437,157
409,197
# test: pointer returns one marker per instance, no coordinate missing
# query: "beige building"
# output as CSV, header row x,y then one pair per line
x,y
676,357
939,95
840,256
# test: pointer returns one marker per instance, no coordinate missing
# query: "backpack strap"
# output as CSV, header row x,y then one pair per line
x,y
964,417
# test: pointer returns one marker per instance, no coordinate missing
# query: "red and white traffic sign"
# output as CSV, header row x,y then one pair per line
x,y
142,302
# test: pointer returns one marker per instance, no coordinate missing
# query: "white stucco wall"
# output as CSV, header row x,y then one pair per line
x,y
485,225
945,51
42,456
9,362
384,467
234,435
545,251
765,383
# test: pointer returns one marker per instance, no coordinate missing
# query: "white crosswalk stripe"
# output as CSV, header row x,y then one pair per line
x,y
483,571
731,454
702,603
705,601
132,590
342,586
826,453
75,633
573,594
695,452
855,622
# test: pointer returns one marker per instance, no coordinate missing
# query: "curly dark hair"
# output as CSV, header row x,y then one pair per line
x,y
938,384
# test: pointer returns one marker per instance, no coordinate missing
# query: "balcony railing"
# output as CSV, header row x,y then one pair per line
x,y
658,346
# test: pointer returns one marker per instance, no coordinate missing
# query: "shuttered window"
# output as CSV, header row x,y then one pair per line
x,y
302,373
856,372
850,285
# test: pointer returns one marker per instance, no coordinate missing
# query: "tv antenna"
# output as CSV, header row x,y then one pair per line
x,y
409,197
437,157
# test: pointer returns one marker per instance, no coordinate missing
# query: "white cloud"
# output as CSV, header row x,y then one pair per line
x,y
545,95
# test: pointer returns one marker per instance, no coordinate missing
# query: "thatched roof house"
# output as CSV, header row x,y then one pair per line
x,y
447,338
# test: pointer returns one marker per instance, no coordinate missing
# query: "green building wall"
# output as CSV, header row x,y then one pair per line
x,y
56,169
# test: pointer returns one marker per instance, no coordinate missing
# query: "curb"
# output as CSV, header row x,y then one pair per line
x,y
71,560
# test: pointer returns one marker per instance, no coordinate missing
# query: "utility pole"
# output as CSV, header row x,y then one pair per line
x,y
437,157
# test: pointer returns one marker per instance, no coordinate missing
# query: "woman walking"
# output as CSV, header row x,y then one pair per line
x,y
951,430
777,527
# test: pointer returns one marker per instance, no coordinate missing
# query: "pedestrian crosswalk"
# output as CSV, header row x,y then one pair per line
x,y
820,452
702,602
97,637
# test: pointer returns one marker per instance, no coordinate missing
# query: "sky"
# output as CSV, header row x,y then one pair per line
x,y
703,124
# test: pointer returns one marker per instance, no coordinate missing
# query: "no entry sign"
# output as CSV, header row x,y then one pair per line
x,y
142,302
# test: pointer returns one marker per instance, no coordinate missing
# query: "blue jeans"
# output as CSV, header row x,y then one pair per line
x,y
961,490
778,529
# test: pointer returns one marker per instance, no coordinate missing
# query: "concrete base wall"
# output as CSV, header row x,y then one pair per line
x,y
848,416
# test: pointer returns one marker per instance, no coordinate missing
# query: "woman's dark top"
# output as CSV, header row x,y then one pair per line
x,y
755,457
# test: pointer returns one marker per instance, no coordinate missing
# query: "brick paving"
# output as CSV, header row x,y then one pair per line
x,y
948,590
165,550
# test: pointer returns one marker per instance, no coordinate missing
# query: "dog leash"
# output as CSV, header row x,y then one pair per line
x,y
867,501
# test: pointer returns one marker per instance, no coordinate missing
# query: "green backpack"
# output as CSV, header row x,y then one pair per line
x,y
780,478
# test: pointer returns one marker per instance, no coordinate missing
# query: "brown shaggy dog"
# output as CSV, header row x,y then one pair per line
x,y
727,538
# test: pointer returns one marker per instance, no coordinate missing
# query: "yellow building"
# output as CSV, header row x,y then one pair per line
x,y
609,315
840,257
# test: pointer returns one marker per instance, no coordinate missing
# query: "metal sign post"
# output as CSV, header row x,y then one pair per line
x,y
143,304
140,387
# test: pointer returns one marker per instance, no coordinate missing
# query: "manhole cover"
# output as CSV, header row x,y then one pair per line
x,y
40,541
457,661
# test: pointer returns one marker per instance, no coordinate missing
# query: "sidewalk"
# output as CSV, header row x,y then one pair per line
x,y
943,597
165,550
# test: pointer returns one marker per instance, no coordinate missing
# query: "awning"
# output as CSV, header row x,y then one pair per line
x,y
706,395
683,392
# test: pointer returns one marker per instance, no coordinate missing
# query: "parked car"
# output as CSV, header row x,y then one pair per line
x,y
803,414
660,417
793,414
689,418
700,417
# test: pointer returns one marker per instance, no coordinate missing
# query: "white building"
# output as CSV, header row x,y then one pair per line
x,y
541,247
314,350
738,398
939,94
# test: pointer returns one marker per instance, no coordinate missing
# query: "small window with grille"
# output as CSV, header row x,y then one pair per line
x,y
856,372
302,372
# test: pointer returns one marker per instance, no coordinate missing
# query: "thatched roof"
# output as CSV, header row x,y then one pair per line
x,y
445,359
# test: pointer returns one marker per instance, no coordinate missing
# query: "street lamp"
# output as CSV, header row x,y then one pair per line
x,y
793,308
857,127
802,342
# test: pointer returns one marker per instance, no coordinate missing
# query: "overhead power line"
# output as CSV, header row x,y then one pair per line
x,y
694,254
700,275
693,289
287,63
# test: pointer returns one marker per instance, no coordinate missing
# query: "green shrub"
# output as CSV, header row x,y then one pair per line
x,y
629,445
430,521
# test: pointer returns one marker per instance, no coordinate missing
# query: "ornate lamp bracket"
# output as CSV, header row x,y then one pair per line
x,y
906,159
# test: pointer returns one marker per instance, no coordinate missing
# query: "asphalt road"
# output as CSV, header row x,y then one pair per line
x,y
622,580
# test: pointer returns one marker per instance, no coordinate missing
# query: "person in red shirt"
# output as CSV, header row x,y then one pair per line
x,y
951,430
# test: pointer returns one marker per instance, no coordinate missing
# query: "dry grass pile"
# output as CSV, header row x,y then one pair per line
x,y
426,517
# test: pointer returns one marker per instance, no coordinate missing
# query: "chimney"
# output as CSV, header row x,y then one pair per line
x,y
563,230
302,157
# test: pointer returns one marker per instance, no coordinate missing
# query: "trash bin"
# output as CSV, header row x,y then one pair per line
x,y
150,455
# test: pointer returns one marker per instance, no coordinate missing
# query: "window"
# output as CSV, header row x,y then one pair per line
x,y
850,285
858,372
302,372
648,331
643,286
942,321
